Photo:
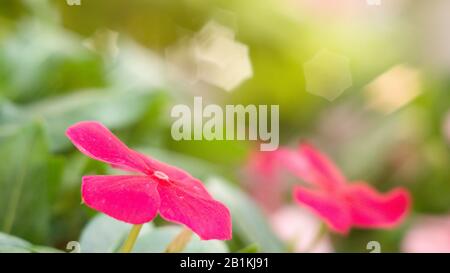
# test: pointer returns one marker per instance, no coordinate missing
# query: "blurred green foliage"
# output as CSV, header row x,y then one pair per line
x,y
49,80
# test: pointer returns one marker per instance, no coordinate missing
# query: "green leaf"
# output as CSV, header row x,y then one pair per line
x,y
45,249
25,183
105,234
9,243
248,220
114,109
251,248
138,65
159,238
43,60
12,244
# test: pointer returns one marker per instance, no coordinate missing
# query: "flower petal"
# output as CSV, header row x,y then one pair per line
x,y
132,199
176,176
96,141
205,216
370,208
265,163
264,179
314,167
332,210
428,233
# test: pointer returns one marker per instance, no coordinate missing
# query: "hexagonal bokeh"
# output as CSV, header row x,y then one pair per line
x,y
213,56
327,75
223,62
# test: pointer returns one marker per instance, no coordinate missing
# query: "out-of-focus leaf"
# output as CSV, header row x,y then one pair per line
x,y
252,248
42,59
104,234
248,220
374,144
25,182
137,65
159,238
153,127
12,244
231,152
68,215
10,114
114,109
45,249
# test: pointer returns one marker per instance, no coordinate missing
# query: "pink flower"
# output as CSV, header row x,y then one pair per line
x,y
299,228
428,234
263,179
339,203
136,199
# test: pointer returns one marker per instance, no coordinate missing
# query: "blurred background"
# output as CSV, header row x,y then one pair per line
x,y
366,81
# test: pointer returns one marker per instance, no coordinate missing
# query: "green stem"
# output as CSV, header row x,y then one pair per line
x,y
129,242
180,242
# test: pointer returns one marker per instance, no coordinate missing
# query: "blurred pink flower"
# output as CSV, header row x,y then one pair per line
x,y
329,195
340,204
428,234
263,179
300,228
136,199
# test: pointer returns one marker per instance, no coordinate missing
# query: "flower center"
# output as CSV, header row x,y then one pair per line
x,y
161,175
